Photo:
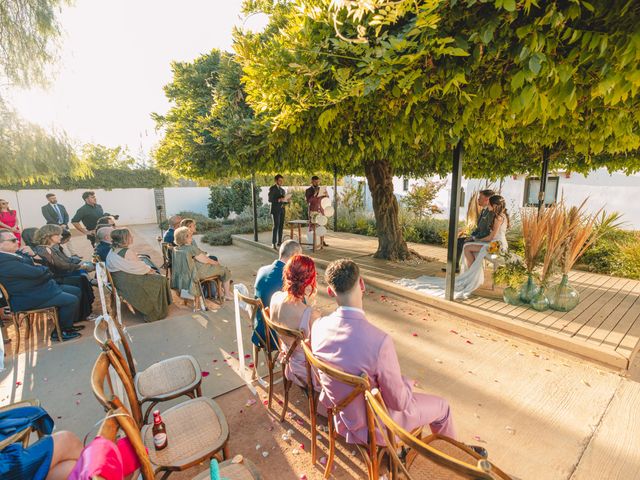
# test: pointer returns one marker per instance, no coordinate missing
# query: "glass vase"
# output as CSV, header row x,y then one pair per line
x,y
540,302
511,296
563,297
528,290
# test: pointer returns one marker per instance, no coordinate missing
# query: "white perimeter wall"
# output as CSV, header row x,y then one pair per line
x,y
134,205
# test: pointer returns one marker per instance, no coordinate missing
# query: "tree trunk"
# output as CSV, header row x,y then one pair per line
x,y
391,244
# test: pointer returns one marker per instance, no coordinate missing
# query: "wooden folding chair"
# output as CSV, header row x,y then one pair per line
x,y
435,456
24,434
285,354
265,343
31,316
162,381
167,257
360,385
114,294
196,429
201,283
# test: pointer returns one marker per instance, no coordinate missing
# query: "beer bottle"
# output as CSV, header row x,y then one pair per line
x,y
159,431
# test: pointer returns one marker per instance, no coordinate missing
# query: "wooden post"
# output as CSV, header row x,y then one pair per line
x,y
543,177
452,250
254,204
335,198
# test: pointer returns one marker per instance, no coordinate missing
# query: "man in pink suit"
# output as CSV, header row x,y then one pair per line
x,y
345,339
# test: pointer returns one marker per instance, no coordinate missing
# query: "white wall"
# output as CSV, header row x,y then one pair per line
x,y
134,205
181,199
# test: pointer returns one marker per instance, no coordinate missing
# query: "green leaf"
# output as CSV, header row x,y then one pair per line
x,y
509,5
517,80
534,64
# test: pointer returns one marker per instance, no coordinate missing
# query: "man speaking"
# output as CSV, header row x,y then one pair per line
x,y
278,199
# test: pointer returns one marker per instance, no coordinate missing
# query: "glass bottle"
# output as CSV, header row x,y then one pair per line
x,y
528,290
563,297
159,431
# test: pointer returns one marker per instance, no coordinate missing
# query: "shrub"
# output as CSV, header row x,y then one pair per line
x,y
219,202
297,208
630,264
235,198
222,236
352,198
419,200
427,230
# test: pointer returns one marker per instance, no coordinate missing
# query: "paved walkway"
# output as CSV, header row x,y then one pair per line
x,y
604,327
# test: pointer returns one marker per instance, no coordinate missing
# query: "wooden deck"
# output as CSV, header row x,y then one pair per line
x,y
604,327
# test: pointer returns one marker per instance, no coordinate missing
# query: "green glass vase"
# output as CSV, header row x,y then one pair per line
x,y
511,296
528,290
540,302
563,297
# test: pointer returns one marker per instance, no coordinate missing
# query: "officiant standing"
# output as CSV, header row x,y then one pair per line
x,y
278,199
314,195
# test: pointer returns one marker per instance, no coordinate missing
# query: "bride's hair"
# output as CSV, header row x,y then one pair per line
x,y
499,209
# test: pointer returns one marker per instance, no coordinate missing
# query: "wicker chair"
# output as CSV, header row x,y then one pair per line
x,y
162,381
31,315
114,294
197,429
24,434
370,453
201,283
167,256
436,456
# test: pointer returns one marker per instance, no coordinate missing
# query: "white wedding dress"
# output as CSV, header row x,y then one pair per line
x,y
471,278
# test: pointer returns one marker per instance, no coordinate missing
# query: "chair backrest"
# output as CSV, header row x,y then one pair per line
x,y
5,295
100,375
297,336
101,334
482,470
180,259
121,419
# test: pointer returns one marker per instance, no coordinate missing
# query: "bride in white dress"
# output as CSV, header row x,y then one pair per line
x,y
472,276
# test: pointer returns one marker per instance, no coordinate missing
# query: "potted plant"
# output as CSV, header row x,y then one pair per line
x,y
533,235
511,275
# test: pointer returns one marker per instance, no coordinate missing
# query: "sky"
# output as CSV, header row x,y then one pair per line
x,y
115,58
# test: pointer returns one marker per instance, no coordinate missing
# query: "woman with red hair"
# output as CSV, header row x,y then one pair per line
x,y
291,308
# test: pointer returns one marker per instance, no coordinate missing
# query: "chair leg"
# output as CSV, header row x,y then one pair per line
x,y
199,390
270,367
254,374
225,451
16,324
287,385
56,323
313,421
332,444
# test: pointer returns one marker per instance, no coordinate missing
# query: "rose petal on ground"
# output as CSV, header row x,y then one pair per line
x,y
586,383
453,331
414,334
205,373
18,384
469,342
247,356
251,365
265,454
251,402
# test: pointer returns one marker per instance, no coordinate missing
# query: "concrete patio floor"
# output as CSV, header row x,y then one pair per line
x,y
540,413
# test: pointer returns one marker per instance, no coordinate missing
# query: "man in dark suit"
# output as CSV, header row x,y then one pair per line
x,y
268,282
32,287
278,200
483,226
54,213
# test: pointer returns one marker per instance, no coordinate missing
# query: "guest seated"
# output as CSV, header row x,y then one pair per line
x,y
136,281
346,340
106,221
66,270
291,308
103,247
174,223
32,287
52,457
65,244
182,275
268,282
191,224
29,243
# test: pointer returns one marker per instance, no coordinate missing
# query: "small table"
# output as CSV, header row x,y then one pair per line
x,y
292,224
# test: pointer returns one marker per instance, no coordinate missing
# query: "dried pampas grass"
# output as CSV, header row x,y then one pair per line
x,y
557,234
534,232
583,234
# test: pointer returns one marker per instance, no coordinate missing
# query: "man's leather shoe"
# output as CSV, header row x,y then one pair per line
x,y
66,335
273,245
479,450
77,328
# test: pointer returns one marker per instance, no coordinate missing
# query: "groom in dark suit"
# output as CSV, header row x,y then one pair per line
x,y
278,201
483,227
54,213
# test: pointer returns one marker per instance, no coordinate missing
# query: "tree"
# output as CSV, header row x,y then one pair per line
x,y
389,88
100,157
28,33
236,198
419,200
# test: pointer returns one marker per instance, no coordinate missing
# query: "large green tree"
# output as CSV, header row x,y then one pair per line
x,y
29,30
388,88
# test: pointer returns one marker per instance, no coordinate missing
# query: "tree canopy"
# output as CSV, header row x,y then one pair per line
x,y
29,30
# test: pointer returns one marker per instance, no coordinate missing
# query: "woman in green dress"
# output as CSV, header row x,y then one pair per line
x,y
189,260
145,290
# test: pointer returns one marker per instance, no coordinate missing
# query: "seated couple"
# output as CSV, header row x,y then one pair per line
x,y
32,287
346,340
492,225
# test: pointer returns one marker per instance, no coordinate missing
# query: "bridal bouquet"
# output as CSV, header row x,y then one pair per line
x,y
494,248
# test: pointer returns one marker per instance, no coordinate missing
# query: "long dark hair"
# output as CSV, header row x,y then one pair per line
x,y
499,209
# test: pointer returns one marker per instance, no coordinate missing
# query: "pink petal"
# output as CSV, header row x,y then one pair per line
x,y
414,334
205,373
18,384
453,331
251,365
247,356
469,342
